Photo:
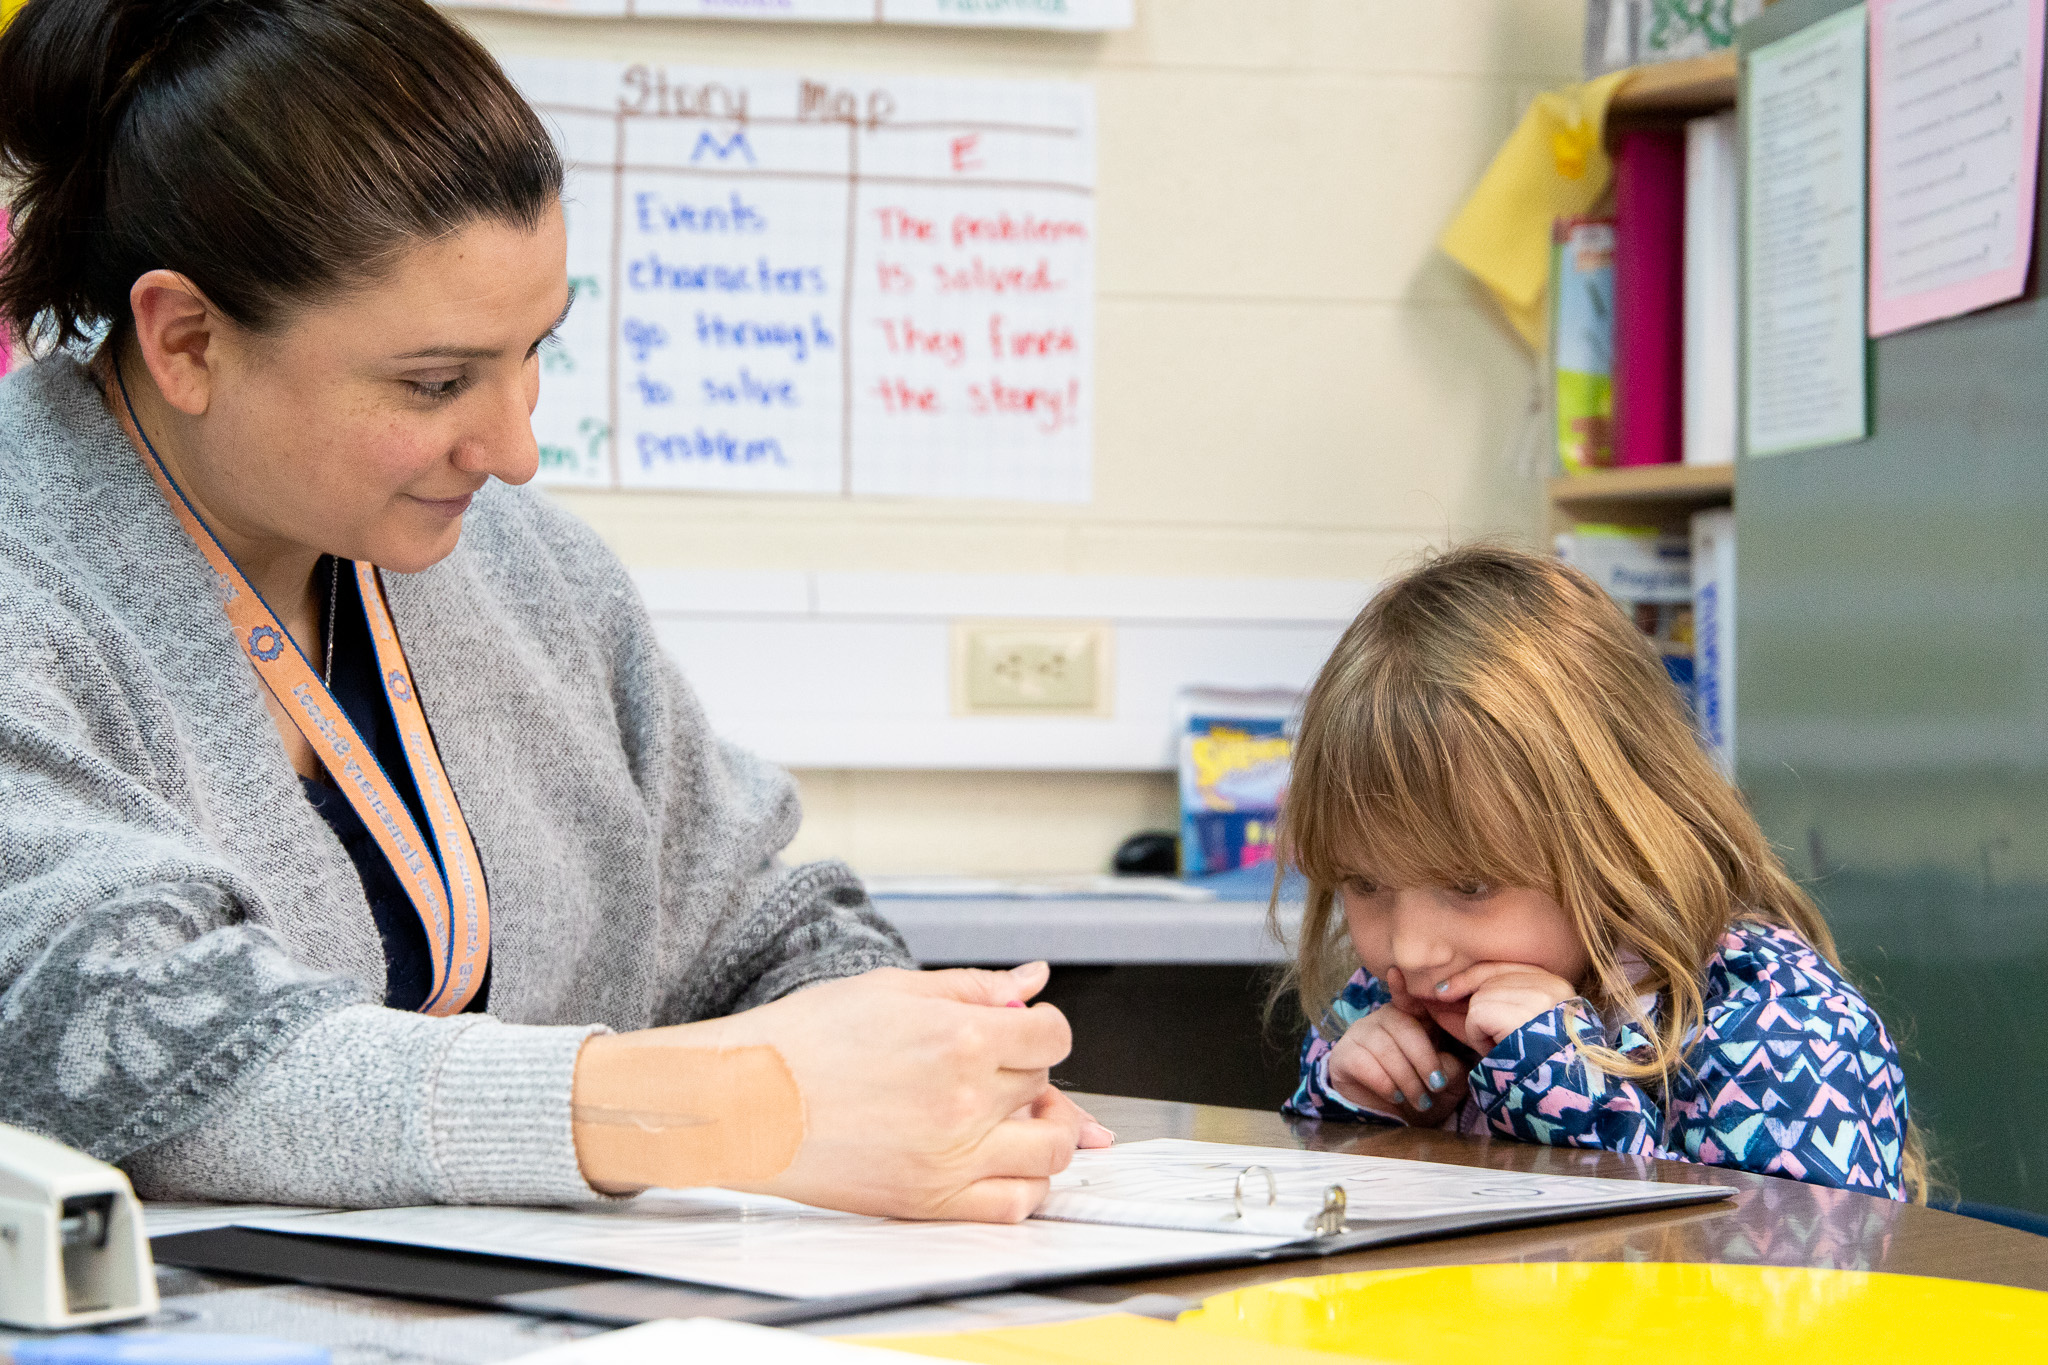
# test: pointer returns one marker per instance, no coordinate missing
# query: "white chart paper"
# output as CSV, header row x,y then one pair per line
x,y
1077,15
1955,124
1806,384
814,284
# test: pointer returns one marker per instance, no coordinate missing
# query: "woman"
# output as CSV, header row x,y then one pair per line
x,y
277,826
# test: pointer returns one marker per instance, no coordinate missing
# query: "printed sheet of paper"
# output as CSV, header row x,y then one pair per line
x,y
827,285
1955,124
1078,15
1178,1191
165,1218
1174,1182
707,1339
772,1246
1805,378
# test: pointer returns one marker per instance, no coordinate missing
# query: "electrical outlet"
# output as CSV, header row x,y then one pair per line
x,y
1031,668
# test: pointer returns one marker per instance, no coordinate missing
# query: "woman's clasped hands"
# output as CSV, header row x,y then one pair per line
x,y
922,1095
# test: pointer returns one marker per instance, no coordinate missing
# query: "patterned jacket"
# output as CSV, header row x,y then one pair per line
x,y
1791,1074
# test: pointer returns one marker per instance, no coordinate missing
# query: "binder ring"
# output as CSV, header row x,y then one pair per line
x,y
1237,1190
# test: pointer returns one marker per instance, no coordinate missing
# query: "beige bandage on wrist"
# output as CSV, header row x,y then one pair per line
x,y
648,1114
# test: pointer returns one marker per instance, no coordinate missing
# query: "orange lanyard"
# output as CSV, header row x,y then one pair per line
x,y
442,880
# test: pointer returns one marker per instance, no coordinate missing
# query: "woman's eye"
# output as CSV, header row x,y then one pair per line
x,y
1471,890
1361,886
437,389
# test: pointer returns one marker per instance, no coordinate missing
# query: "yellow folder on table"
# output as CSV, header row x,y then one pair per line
x,y
1116,1339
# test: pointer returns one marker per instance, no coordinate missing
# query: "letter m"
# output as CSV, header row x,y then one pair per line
x,y
722,150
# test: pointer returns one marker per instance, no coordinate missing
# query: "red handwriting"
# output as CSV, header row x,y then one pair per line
x,y
1020,345
1028,227
899,395
978,276
901,225
902,334
964,149
1053,408
894,279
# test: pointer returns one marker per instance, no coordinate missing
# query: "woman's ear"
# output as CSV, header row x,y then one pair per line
x,y
179,335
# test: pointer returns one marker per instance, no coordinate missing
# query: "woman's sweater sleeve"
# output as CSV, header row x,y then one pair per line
x,y
372,1107
147,1021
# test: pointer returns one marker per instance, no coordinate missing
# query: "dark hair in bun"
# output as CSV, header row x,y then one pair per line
x,y
275,152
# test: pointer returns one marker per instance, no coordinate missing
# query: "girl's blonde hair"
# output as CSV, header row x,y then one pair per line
x,y
1492,716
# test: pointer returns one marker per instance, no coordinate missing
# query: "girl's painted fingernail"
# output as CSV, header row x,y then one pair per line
x,y
1443,986
1436,1080
1399,1098
1422,1101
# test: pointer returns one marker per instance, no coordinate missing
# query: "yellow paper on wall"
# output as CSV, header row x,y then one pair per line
x,y
1553,165
1114,1339
1573,1313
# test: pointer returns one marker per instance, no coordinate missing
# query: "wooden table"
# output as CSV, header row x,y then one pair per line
x,y
1770,1221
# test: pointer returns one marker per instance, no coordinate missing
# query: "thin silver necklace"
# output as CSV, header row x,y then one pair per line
x,y
333,591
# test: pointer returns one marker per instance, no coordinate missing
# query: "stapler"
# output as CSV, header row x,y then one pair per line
x,y
73,1250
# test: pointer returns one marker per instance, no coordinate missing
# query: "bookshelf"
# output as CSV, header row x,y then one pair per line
x,y
1672,91
1666,494
1642,495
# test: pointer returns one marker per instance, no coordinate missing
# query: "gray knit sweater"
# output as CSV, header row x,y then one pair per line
x,y
189,966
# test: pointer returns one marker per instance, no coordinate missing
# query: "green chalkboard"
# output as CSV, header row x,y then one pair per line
x,y
1892,710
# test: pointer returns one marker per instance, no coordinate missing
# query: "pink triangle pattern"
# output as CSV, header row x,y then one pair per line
x,y
1792,1074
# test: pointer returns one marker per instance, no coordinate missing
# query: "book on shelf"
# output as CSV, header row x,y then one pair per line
x,y
1648,573
1649,296
1713,614
1711,191
1582,342
1623,33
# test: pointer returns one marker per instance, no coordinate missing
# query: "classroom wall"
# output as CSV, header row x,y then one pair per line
x,y
1290,381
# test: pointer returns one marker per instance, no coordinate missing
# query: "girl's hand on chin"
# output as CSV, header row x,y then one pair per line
x,y
1501,997
1390,1063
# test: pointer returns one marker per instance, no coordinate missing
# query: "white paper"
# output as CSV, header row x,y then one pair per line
x,y
1081,15
1195,1184
766,1245
772,1246
1955,120
1804,163
800,283
166,1218
668,1341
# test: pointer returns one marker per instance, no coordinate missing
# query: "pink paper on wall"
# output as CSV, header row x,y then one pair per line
x,y
1955,130
1649,297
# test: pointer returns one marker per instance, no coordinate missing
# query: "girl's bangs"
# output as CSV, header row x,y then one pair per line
x,y
1415,787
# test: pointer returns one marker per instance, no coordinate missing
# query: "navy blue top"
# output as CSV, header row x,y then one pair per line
x,y
357,686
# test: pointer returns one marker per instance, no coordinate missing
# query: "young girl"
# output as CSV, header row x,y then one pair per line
x,y
1568,928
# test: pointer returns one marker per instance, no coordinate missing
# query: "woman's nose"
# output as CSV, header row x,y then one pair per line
x,y
502,444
